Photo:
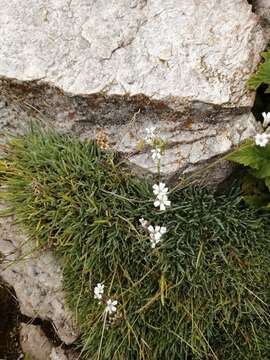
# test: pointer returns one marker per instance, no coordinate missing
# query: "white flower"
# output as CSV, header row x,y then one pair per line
x,y
162,201
98,291
111,306
266,119
143,222
160,189
261,139
156,154
150,134
156,234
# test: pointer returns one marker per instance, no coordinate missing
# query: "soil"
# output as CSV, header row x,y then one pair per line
x,y
10,320
9,325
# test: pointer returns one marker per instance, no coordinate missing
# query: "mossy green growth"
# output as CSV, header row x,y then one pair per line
x,y
202,293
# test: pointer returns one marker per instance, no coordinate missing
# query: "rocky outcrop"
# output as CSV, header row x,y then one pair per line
x,y
179,52
36,278
35,344
262,8
128,64
120,66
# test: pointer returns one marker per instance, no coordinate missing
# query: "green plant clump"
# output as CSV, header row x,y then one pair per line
x,y
202,293
256,183
262,76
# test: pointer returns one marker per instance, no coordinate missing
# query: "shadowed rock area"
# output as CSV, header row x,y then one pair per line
x,y
9,324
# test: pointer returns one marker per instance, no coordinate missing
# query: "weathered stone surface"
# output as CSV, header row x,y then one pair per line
x,y
35,343
262,8
180,65
193,138
262,3
36,279
170,50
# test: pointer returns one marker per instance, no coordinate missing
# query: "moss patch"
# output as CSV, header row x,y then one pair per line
x,y
203,293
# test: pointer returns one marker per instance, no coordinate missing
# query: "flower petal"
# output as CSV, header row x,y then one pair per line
x,y
163,230
162,207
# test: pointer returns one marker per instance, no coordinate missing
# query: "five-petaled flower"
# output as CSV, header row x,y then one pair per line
x,y
162,202
156,154
156,234
143,222
160,189
98,291
150,134
266,119
111,306
261,139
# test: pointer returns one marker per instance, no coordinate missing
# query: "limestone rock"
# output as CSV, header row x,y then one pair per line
x,y
36,279
262,8
35,343
262,4
170,50
126,64
193,138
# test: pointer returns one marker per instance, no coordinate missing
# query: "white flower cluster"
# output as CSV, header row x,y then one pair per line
x,y
263,139
161,192
110,304
156,234
143,222
98,291
156,154
149,139
150,134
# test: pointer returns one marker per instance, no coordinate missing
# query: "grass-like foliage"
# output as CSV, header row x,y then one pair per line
x,y
202,293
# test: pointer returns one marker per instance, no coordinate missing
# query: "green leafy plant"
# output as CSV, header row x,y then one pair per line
x,y
262,76
256,184
203,293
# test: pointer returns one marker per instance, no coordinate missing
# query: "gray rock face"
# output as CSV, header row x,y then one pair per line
x,y
262,3
36,278
35,343
180,65
168,50
262,8
193,138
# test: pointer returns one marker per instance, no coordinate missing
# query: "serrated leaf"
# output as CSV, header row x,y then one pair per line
x,y
250,155
264,169
262,76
